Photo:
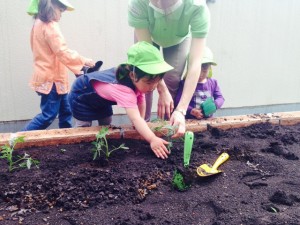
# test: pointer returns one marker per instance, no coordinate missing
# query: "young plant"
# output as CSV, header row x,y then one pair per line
x,y
22,162
170,131
101,145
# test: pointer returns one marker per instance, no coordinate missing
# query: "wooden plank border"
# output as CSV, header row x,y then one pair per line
x,y
88,134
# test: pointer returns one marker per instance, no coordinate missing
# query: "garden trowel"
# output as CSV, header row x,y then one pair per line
x,y
208,170
179,180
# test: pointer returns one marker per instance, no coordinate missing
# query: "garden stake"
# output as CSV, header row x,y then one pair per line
x,y
208,170
188,145
178,178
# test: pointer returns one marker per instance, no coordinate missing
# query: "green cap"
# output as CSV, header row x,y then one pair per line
x,y
208,57
34,5
147,58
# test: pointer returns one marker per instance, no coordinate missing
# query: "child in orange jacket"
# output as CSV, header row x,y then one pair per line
x,y
52,58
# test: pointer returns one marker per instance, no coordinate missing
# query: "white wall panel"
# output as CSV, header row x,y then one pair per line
x,y
256,45
255,42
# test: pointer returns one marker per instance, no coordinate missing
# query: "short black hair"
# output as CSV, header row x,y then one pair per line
x,y
124,70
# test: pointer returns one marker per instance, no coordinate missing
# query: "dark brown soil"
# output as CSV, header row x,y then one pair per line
x,y
260,183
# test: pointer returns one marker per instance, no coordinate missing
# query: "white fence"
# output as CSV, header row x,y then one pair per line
x,y
255,42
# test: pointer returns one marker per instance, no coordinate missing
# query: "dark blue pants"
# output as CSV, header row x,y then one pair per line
x,y
86,104
52,104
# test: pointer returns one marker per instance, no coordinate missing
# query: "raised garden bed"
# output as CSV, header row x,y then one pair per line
x,y
259,185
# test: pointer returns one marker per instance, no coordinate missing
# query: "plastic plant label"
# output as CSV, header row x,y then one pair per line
x,y
188,145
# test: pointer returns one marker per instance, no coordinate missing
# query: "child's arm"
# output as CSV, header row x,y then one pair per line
x,y
189,110
157,144
218,97
66,56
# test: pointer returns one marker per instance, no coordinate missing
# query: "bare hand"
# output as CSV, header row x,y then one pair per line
x,y
165,105
197,113
178,120
158,147
89,63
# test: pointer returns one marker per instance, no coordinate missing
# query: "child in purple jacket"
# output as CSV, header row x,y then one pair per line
x,y
207,97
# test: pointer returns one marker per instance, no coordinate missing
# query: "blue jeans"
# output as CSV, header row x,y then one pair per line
x,y
52,104
86,104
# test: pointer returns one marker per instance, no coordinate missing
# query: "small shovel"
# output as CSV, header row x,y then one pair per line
x,y
208,170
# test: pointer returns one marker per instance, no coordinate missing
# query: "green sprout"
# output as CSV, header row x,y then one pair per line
x,y
178,181
22,162
273,209
101,145
170,131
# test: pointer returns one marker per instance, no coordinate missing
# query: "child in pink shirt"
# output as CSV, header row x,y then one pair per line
x,y
93,94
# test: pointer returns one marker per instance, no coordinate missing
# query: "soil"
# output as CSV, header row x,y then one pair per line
x,y
260,183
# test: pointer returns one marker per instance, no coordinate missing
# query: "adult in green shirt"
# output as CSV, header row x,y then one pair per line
x,y
179,27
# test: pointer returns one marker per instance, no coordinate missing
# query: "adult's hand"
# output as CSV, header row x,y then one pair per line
x,y
178,120
165,105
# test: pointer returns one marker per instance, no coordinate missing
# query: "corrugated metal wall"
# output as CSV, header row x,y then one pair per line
x,y
255,42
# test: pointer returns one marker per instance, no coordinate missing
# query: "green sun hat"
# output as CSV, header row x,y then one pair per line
x,y
147,58
34,5
208,57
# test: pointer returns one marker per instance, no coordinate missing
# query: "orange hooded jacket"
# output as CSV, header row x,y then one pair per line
x,y
52,57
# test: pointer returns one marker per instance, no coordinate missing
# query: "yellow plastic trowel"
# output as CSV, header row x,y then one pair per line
x,y
208,170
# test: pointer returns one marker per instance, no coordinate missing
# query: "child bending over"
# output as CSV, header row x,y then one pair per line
x,y
93,94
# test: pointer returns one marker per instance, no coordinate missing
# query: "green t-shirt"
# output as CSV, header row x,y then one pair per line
x,y
191,17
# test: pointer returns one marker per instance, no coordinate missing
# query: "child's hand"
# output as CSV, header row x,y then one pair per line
x,y
158,147
89,63
197,113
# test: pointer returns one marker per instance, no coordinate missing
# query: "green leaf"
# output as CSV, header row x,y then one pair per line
x,y
274,210
123,146
95,155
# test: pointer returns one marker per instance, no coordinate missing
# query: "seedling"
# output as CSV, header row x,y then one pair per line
x,y
182,179
170,132
101,145
273,209
22,162
178,181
